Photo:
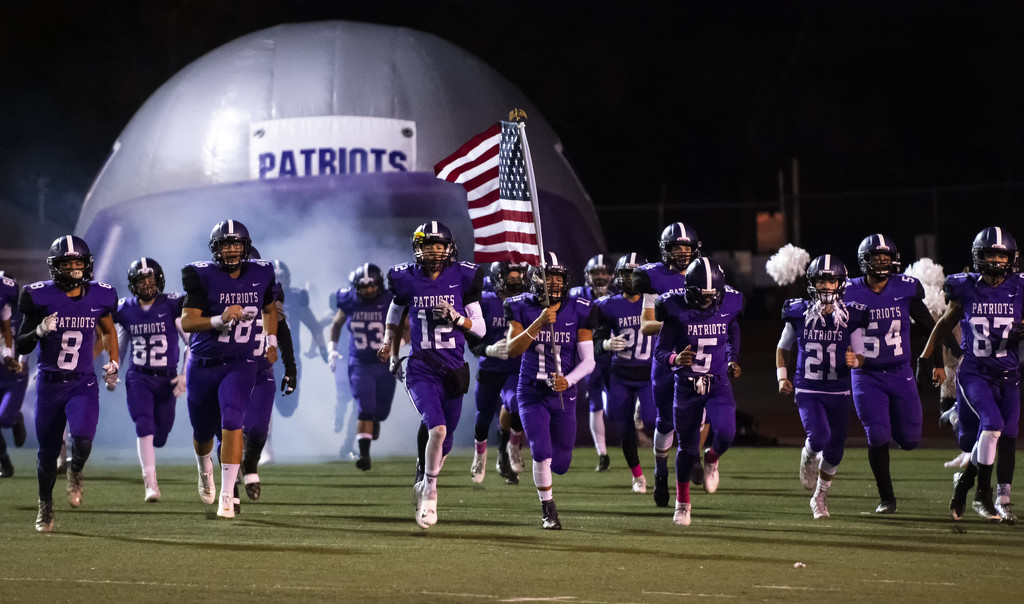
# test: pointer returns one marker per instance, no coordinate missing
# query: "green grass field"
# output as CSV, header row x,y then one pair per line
x,y
329,532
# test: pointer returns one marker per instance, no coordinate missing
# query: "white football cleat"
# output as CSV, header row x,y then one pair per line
x,y
479,467
819,505
682,514
809,468
710,475
152,494
207,490
515,457
640,484
226,509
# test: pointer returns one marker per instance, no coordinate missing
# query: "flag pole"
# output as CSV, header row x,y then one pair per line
x,y
520,118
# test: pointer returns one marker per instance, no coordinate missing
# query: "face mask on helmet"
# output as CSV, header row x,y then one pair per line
x,y
680,245
509,279
551,280
994,252
368,281
230,244
624,272
878,257
145,279
705,284
826,278
598,275
70,262
433,246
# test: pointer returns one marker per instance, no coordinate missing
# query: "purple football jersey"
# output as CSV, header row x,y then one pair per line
x,y
887,337
989,313
8,292
493,307
540,358
622,317
713,333
659,278
69,347
459,285
366,324
211,289
259,336
152,333
821,349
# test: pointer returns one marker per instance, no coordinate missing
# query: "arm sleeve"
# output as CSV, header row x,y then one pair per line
x,y
857,341
476,315
395,313
475,289
585,351
31,318
734,341
602,332
194,295
284,340
476,345
788,337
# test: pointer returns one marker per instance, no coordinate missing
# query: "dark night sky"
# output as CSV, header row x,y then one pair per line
x,y
698,103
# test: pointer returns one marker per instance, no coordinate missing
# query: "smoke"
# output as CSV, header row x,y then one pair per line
x,y
322,232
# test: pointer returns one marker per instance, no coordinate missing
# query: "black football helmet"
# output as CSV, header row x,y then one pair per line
x,y
137,273
552,266
868,253
69,247
675,235
598,274
229,231
826,266
624,271
282,274
705,283
499,273
994,239
434,232
368,281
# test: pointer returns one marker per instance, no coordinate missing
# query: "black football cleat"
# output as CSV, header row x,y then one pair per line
x,y
661,490
603,463
6,467
550,521
363,462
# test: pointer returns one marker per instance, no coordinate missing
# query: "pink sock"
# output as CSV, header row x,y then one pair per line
x,y
515,438
481,447
710,456
637,472
682,492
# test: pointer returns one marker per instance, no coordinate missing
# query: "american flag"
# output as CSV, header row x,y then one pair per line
x,y
492,169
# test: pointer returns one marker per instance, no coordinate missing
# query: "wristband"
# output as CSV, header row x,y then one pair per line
x,y
8,352
672,358
271,341
461,321
217,322
332,346
781,373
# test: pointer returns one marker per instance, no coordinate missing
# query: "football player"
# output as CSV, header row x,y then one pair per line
x,y
364,306
13,375
829,335
598,276
628,352
554,333
700,343
679,245
257,420
442,299
222,299
497,377
62,316
149,326
884,391
989,305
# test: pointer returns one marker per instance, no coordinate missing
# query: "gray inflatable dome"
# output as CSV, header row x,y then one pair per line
x,y
187,148
186,161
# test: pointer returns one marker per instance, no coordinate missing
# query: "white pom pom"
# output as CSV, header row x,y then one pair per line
x,y
788,264
932,278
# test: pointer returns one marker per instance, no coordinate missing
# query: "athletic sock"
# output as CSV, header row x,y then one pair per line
x,y
542,479
228,478
597,431
1006,452
878,459
364,445
80,450
480,446
683,491
984,479
711,456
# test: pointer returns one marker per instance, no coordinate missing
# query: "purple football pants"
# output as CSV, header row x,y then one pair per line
x,y
75,404
550,423
826,419
494,388
431,399
12,397
986,403
689,409
373,387
888,406
151,405
261,405
663,390
218,396
623,394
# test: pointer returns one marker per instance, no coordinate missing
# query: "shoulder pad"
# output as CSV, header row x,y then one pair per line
x,y
106,285
583,301
468,264
858,305
173,295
